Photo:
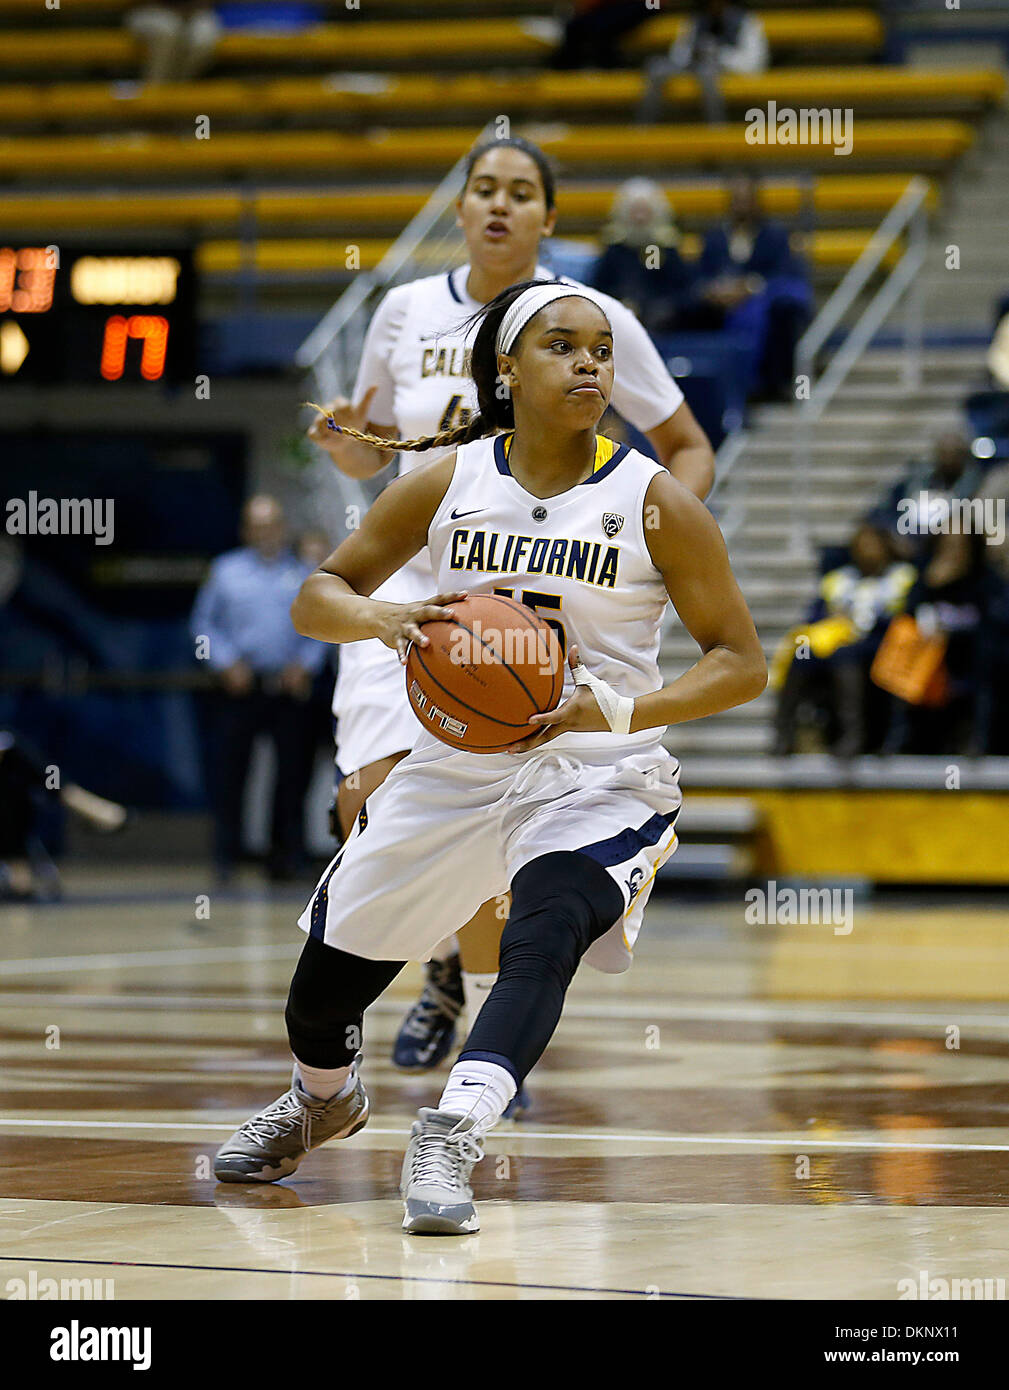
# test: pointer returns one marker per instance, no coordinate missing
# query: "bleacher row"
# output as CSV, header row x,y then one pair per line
x,y
392,43
401,98
370,218
356,124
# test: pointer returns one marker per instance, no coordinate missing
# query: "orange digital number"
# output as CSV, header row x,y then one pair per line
x,y
26,280
151,328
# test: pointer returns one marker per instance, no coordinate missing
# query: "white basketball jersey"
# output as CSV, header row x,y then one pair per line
x,y
417,353
580,559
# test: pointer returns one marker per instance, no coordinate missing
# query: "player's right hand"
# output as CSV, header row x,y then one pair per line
x,y
401,624
344,412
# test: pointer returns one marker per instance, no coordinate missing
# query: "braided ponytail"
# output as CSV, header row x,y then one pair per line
x,y
476,428
495,411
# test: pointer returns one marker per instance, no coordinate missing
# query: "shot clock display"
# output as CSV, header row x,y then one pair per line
x,y
86,315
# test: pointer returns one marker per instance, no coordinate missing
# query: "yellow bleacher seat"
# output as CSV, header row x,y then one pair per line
x,y
795,29
922,144
468,95
826,250
397,41
864,195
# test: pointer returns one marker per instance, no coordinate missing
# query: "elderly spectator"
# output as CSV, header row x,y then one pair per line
x,y
265,670
179,38
721,37
640,263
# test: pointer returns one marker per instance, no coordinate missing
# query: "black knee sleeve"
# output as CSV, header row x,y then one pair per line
x,y
327,999
561,903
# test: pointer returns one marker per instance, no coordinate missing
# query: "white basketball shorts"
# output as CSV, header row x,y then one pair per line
x,y
447,831
374,718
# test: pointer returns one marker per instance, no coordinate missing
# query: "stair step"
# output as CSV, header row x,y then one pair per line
x,y
755,477
855,392
778,503
686,739
830,449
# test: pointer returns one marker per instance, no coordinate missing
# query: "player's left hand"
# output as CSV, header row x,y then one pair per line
x,y
578,715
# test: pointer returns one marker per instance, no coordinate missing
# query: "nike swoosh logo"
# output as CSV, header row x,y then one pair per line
x,y
458,516
472,1083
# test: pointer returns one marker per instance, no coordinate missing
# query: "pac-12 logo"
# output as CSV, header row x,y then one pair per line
x,y
612,523
634,883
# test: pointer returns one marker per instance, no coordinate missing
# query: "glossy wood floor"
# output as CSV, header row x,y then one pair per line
x,y
751,1112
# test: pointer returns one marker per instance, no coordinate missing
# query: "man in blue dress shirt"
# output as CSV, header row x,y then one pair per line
x,y
241,623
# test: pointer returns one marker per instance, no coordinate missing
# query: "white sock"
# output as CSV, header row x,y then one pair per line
x,y
475,989
449,947
482,1090
325,1083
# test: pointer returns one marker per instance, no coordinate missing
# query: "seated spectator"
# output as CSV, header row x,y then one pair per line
x,y
592,35
827,659
721,37
932,484
640,264
751,282
991,711
179,38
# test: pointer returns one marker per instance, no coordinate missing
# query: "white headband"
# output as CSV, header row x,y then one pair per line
x,y
530,302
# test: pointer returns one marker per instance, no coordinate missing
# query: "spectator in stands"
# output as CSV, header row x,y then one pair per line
x,y
972,571
991,713
26,780
827,659
951,472
752,283
265,670
179,38
721,37
592,35
640,264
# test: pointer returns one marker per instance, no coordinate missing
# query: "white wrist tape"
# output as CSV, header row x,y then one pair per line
x,y
617,709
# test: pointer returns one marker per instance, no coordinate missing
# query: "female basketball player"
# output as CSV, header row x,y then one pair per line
x,y
414,380
574,820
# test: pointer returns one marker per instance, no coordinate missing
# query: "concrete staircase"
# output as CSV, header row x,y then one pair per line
x,y
862,443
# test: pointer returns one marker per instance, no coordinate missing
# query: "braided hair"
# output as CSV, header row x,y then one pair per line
x,y
495,411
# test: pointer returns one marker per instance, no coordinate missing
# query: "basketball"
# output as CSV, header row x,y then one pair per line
x,y
484,673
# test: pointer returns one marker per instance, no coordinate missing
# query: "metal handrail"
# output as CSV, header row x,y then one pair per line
x,y
904,210
908,212
320,340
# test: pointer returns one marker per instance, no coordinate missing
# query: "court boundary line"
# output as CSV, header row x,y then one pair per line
x,y
628,1011
800,1144
389,1278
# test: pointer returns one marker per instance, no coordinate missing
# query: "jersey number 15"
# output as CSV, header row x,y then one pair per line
x,y
535,600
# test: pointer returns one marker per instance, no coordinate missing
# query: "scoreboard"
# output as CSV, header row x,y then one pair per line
x,y
90,315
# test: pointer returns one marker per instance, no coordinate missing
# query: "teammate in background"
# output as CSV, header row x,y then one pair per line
x,y
414,380
574,820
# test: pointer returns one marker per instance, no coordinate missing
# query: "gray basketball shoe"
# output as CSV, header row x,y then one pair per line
x,y
435,1188
273,1143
